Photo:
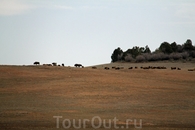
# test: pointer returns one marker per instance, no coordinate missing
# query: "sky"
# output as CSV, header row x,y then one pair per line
x,y
88,31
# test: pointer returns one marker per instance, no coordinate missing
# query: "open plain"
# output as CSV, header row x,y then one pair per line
x,y
31,96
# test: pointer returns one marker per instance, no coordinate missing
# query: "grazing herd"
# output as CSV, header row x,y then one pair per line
x,y
175,68
148,67
55,64
114,67
154,67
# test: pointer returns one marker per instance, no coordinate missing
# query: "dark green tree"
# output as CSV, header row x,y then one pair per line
x,y
117,54
147,49
135,51
188,45
165,47
174,47
141,50
179,48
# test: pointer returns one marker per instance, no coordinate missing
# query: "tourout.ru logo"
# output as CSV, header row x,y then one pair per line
x,y
96,122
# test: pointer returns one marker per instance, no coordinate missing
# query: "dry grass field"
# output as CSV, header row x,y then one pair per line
x,y
161,98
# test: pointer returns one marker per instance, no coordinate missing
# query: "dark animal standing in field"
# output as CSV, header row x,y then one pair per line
x,y
163,67
113,67
117,68
173,68
130,68
47,64
191,69
54,64
152,67
135,67
36,63
178,68
106,68
62,64
94,67
78,65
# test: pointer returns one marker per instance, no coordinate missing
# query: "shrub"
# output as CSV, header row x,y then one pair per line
x,y
129,58
184,55
192,54
147,56
165,57
140,58
154,57
175,56
120,57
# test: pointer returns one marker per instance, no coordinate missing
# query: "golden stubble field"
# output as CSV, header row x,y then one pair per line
x,y
160,99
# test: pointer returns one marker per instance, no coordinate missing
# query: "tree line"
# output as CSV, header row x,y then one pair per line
x,y
166,51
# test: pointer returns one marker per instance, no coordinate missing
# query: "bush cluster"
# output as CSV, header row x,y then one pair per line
x,y
166,51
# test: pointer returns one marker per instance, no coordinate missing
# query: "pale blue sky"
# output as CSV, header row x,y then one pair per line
x,y
87,31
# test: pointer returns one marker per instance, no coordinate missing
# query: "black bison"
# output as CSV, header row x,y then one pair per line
x,y
47,64
163,67
173,68
117,68
158,67
135,67
54,64
106,68
146,68
191,69
130,68
78,65
178,68
36,63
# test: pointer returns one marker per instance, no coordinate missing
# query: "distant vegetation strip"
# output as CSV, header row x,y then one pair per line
x,y
166,51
